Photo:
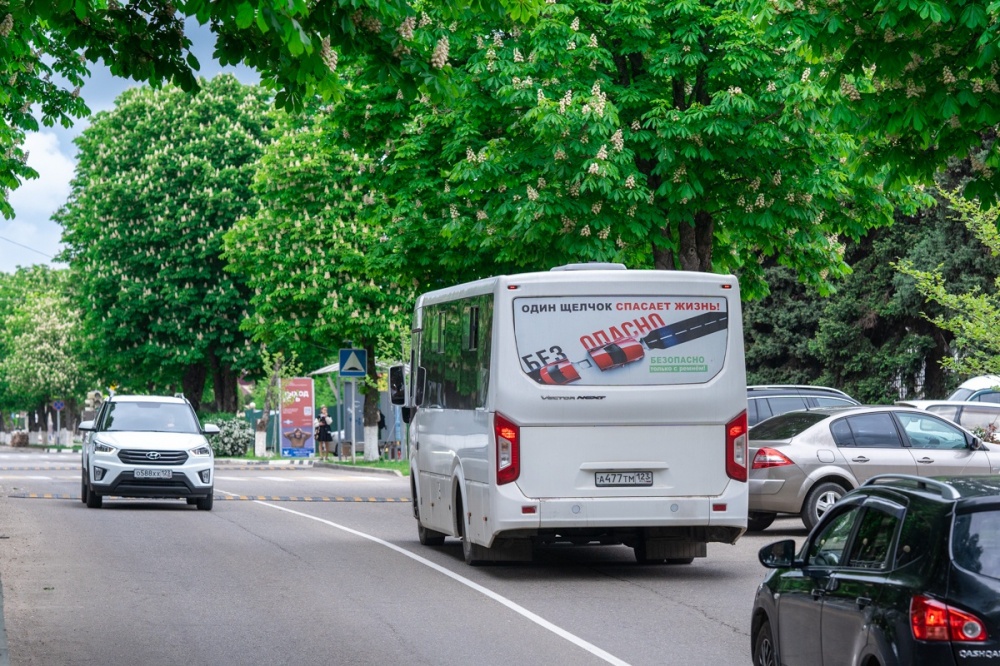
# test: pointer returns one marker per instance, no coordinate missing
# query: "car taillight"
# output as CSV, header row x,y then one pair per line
x,y
933,620
508,436
736,448
767,457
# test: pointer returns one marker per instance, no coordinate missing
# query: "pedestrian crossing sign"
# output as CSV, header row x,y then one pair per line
x,y
353,362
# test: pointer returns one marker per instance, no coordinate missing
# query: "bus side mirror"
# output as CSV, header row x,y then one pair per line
x,y
397,385
418,389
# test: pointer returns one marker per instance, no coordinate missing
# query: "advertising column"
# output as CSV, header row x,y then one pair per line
x,y
297,432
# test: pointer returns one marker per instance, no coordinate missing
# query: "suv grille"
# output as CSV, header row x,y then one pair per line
x,y
143,457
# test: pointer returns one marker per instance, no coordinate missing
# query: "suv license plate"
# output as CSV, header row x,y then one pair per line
x,y
643,478
154,474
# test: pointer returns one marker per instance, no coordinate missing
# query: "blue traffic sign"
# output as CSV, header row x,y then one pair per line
x,y
353,362
58,405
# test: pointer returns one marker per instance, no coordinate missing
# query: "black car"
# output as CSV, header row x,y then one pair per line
x,y
903,570
763,402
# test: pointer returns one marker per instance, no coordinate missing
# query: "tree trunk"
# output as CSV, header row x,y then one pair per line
x,y
371,406
694,246
224,383
193,384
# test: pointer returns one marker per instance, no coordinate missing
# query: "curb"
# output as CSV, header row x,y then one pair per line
x,y
355,468
235,462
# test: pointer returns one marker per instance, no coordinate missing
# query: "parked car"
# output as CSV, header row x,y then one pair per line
x,y
985,388
903,571
803,462
148,446
763,402
982,418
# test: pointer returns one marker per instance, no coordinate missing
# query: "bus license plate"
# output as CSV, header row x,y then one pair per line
x,y
644,478
154,474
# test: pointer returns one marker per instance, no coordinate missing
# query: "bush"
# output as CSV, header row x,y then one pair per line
x,y
235,438
19,438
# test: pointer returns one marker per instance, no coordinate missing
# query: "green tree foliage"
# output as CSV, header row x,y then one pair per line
x,y
673,134
778,331
40,341
46,45
869,338
321,271
971,315
159,180
923,75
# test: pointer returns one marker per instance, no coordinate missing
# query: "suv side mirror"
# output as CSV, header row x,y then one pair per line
x,y
86,425
210,429
778,555
397,385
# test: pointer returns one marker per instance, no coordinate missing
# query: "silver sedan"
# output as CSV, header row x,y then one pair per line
x,y
804,461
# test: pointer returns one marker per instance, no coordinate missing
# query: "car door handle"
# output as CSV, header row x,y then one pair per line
x,y
861,459
925,460
863,602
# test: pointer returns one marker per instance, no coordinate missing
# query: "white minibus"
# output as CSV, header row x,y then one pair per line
x,y
587,404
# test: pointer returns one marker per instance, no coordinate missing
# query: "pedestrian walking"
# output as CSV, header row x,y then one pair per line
x,y
323,434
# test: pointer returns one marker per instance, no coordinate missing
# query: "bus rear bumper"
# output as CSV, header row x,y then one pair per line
x,y
720,518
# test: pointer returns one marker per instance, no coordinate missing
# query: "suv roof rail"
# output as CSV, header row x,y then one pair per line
x,y
946,491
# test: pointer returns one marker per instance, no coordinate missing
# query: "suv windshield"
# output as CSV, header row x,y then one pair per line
x,y
976,542
785,426
149,417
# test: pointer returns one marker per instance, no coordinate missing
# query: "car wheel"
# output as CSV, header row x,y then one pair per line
x,y
758,521
428,537
205,503
763,646
94,501
680,560
820,500
83,487
474,553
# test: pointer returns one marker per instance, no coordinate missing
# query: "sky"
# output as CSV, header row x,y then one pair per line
x,y
31,237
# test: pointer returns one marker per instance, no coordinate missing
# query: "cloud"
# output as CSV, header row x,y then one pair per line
x,y
32,237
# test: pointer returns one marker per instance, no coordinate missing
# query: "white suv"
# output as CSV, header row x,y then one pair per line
x,y
148,446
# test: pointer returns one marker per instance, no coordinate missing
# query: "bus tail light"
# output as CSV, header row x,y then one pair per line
x,y
736,448
508,436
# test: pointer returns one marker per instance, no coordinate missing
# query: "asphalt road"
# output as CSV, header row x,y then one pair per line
x,y
326,569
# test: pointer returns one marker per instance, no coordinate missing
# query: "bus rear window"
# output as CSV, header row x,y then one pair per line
x,y
621,340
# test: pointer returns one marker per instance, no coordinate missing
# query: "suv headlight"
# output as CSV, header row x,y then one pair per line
x,y
203,450
101,447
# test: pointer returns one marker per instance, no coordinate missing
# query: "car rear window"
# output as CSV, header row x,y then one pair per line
x,y
976,542
785,426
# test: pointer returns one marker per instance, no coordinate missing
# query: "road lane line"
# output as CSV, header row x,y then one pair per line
x,y
517,608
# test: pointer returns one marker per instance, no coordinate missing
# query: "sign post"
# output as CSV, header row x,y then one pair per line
x,y
353,364
58,405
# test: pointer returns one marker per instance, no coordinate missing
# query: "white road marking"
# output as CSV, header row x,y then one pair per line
x,y
521,610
